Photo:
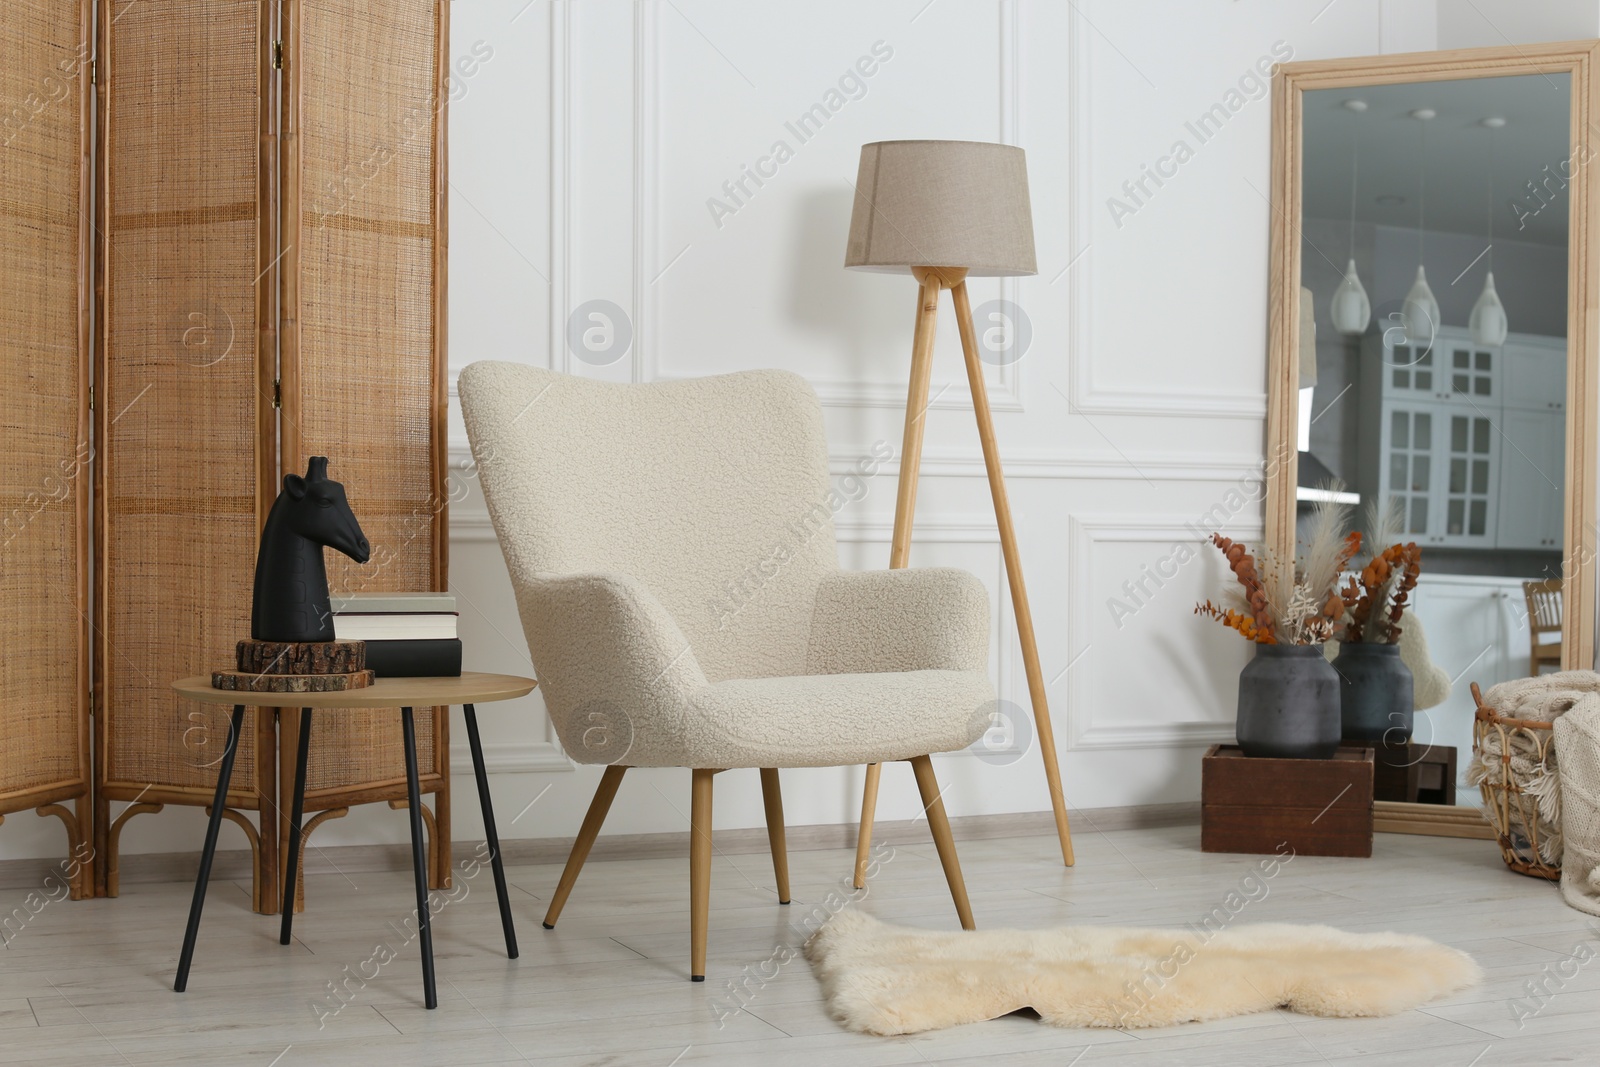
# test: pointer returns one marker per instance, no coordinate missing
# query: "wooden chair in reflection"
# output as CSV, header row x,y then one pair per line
x,y
1544,617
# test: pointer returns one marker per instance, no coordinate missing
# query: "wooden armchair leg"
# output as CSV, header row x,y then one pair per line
x,y
699,872
928,786
773,797
586,835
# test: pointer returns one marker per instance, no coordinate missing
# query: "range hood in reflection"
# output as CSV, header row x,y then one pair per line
x,y
1311,487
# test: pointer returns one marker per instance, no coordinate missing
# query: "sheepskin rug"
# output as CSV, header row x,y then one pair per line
x,y
882,979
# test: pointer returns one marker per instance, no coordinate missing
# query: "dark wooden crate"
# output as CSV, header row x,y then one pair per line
x,y
1315,807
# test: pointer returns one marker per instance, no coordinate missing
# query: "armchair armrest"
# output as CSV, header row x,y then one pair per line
x,y
614,667
932,618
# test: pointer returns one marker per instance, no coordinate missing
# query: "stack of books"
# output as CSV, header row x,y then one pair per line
x,y
408,635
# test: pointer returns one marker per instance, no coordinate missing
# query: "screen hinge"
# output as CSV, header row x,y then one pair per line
x,y
91,398
277,393
94,73
277,55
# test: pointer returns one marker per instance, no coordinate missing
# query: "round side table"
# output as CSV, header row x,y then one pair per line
x,y
405,693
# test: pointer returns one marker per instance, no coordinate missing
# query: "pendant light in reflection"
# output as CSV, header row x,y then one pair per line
x,y
1488,318
1351,311
1420,312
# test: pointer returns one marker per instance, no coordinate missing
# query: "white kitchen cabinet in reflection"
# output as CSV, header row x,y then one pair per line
x,y
1532,459
1470,440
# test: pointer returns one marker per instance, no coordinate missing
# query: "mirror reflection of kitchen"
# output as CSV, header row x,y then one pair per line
x,y
1434,269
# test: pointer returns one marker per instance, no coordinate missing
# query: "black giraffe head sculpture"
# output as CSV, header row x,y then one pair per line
x,y
291,595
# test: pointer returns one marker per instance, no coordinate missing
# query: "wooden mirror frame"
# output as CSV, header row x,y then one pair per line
x,y
1289,82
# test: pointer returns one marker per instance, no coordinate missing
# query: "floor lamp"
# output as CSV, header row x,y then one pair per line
x,y
943,210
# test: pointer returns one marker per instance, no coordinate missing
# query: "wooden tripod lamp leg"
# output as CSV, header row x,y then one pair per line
x,y
1008,545
905,504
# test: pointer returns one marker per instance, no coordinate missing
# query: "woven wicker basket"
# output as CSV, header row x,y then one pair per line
x,y
1513,813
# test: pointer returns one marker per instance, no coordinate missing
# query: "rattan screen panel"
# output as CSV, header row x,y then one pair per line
x,y
362,358
180,398
44,427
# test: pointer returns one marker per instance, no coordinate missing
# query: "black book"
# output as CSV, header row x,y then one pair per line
x,y
439,657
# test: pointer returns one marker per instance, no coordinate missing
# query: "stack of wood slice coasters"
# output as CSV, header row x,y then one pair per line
x,y
297,667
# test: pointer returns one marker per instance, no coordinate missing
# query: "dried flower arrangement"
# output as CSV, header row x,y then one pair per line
x,y
1376,598
1283,602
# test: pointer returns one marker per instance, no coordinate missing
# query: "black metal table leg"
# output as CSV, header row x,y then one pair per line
x,y
419,858
209,852
489,830
291,878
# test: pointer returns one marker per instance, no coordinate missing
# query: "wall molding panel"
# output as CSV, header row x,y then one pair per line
x,y
1082,44
1086,704
650,258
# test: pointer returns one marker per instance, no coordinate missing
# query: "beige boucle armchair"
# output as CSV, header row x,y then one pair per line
x,y
672,550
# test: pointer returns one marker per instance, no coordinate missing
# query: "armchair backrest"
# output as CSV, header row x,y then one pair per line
x,y
713,492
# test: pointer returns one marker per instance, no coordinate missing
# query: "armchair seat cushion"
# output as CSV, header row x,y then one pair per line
x,y
825,720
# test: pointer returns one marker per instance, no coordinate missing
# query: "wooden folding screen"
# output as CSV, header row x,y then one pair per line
x,y
45,448
185,418
363,337
262,297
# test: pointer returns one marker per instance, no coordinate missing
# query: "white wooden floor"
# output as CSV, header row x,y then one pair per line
x,y
90,982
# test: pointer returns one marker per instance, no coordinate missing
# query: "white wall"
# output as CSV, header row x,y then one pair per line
x,y
583,155
1480,23
1137,409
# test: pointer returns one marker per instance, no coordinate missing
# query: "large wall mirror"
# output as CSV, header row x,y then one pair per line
x,y
1433,346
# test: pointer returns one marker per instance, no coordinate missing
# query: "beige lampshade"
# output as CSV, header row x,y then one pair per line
x,y
942,204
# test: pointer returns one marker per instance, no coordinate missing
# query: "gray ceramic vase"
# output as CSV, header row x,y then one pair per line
x,y
1375,693
1289,704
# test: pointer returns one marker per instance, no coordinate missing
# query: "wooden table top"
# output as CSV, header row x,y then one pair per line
x,y
472,687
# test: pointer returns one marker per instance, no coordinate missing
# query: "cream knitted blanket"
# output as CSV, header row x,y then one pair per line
x,y
1578,740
